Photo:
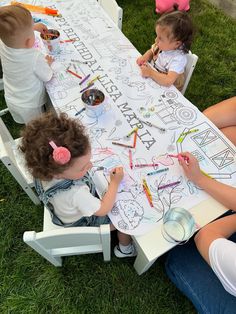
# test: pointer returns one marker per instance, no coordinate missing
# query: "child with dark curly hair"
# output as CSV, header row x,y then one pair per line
x,y
168,54
57,152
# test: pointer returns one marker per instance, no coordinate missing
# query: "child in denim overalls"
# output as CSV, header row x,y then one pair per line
x,y
58,153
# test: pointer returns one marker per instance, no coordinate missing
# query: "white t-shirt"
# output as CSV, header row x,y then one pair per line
x,y
24,74
222,255
171,60
72,204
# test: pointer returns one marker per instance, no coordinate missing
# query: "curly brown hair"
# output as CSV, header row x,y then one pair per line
x,y
181,27
61,129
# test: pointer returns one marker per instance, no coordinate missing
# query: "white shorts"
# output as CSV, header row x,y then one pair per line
x,y
222,255
24,115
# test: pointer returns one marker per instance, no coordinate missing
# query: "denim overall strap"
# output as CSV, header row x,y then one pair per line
x,y
89,182
45,196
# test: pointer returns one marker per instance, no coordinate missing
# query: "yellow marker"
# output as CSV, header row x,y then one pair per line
x,y
94,79
132,131
206,174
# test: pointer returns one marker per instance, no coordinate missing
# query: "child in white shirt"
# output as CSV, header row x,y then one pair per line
x,y
168,54
58,153
25,69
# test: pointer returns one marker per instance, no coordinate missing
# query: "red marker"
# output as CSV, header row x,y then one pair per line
x,y
67,41
75,74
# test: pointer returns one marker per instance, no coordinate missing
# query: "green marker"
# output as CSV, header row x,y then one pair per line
x,y
188,132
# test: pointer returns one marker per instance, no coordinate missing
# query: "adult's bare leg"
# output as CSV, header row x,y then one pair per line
x,y
223,115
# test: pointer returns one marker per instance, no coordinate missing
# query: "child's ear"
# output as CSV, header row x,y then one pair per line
x,y
178,44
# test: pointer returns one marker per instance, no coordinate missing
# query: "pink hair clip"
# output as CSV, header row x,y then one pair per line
x,y
61,155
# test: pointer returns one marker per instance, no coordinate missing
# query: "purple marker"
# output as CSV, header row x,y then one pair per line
x,y
168,185
84,79
86,88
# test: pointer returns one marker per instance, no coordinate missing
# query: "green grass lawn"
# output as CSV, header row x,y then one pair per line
x,y
85,284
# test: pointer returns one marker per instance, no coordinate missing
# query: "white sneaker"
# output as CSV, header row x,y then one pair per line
x,y
118,253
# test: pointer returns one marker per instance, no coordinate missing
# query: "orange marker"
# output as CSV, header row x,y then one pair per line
x,y
135,139
148,196
38,9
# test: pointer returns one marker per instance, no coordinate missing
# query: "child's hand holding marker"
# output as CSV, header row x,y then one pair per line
x,y
146,70
41,28
191,168
116,175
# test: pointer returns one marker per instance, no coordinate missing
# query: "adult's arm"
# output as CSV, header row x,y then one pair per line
x,y
225,194
222,114
221,228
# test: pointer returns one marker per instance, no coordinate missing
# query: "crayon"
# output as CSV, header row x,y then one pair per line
x,y
51,35
168,185
157,171
152,125
94,79
79,61
73,73
122,145
178,156
132,131
206,174
38,9
190,131
135,139
130,159
79,112
146,165
147,195
84,79
84,89
67,41
148,190
180,139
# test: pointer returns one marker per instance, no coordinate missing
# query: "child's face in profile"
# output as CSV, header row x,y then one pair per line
x,y
165,40
78,168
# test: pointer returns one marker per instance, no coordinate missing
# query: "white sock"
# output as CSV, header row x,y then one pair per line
x,y
126,248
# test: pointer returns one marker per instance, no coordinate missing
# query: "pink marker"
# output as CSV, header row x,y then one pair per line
x,y
179,156
130,159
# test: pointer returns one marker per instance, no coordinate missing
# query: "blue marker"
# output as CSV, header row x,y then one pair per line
x,y
157,171
79,112
36,19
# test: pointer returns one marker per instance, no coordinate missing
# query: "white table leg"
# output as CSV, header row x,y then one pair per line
x,y
142,264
